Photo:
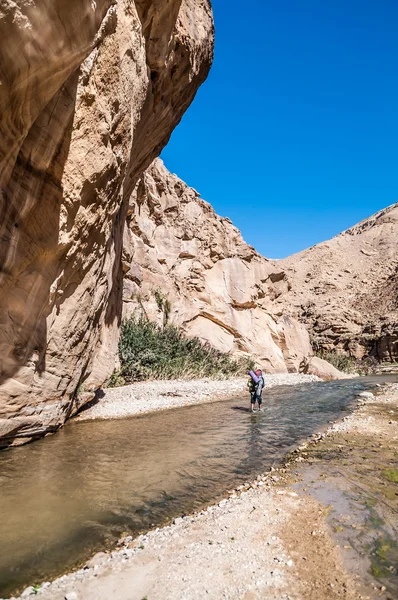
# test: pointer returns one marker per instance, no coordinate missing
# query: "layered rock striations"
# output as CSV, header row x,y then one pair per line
x,y
345,290
90,92
218,288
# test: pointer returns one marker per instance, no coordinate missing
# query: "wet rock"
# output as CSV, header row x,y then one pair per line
x,y
368,395
123,541
97,560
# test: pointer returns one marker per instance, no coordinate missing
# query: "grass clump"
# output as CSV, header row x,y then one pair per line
x,y
148,351
391,475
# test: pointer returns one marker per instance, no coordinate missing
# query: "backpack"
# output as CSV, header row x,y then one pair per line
x,y
251,385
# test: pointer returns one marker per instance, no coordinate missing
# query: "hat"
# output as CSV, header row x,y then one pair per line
x,y
258,371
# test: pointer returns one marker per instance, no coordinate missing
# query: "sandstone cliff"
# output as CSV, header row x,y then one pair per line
x,y
219,289
89,94
345,290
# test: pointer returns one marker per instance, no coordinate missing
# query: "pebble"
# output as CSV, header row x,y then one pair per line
x,y
366,395
97,560
71,596
125,540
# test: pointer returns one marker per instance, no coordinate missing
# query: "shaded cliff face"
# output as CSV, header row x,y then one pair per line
x,y
219,288
346,289
90,92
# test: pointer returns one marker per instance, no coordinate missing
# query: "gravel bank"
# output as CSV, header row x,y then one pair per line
x,y
150,396
265,541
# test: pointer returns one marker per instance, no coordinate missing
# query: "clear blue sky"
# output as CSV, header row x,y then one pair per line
x,y
294,135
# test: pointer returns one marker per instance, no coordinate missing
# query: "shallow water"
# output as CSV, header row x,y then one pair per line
x,y
356,476
69,495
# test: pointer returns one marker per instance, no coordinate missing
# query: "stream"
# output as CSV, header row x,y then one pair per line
x,y
72,494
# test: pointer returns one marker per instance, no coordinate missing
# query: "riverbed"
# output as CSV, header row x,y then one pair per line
x,y
75,493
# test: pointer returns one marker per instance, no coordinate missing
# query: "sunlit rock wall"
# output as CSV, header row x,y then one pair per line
x,y
90,92
219,288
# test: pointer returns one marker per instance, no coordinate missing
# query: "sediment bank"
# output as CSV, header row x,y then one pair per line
x,y
149,396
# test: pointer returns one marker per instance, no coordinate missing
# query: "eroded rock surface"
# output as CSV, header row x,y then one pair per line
x,y
220,289
90,92
345,290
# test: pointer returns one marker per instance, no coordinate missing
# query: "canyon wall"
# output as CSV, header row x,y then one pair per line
x,y
345,290
90,92
217,287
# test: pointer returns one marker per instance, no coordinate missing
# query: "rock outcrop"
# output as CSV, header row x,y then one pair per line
x,y
179,254
345,290
90,91
322,368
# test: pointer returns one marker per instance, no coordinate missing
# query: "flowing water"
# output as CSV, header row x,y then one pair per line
x,y
69,495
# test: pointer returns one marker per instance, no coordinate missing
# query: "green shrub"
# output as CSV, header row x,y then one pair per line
x,y
147,351
349,364
340,361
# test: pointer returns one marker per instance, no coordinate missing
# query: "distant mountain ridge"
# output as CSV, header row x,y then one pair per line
x,y
345,290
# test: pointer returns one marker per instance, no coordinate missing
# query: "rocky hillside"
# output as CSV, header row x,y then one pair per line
x,y
345,290
89,94
184,263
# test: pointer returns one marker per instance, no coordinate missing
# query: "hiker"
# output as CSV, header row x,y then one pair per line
x,y
255,385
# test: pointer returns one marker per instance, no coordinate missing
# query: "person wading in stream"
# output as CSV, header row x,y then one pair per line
x,y
256,385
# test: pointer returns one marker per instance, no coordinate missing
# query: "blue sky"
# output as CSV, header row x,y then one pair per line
x,y
294,134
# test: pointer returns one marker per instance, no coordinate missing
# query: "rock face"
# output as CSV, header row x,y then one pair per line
x,y
90,92
345,290
176,249
322,369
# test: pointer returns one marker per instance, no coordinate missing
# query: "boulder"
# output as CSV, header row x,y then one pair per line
x,y
324,370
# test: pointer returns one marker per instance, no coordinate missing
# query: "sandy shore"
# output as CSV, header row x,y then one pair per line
x,y
150,396
268,539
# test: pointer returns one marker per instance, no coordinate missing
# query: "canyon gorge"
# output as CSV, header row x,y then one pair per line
x,y
94,228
